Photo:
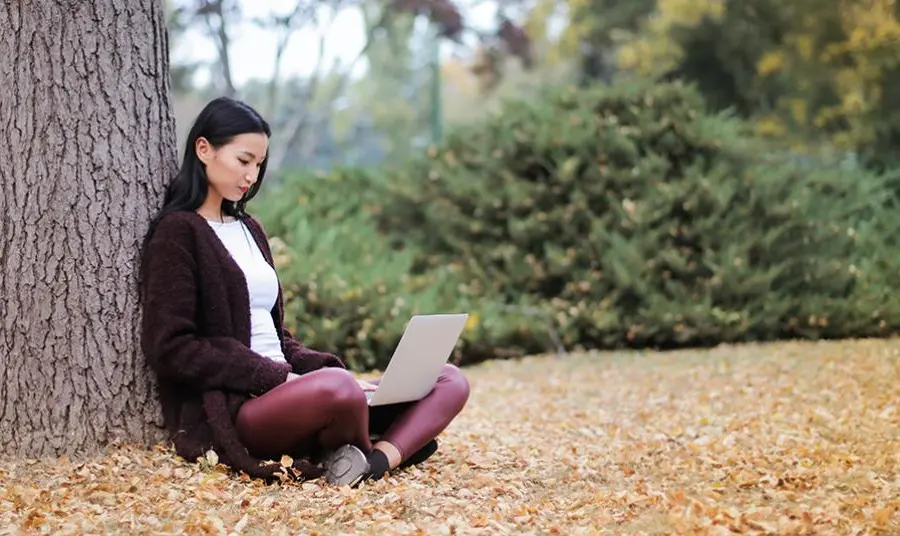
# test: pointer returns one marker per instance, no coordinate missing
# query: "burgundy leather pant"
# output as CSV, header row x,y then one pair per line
x,y
327,408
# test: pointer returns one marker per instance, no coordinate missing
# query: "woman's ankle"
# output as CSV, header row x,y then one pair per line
x,y
391,453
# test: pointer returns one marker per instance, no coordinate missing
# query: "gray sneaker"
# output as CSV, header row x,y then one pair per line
x,y
346,466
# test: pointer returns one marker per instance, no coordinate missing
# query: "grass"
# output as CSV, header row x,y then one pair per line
x,y
788,438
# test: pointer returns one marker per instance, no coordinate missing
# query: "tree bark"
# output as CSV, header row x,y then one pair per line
x,y
86,147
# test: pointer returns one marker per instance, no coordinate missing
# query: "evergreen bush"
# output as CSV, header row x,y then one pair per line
x,y
348,291
637,218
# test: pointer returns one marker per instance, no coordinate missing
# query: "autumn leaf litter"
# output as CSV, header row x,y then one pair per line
x,y
790,438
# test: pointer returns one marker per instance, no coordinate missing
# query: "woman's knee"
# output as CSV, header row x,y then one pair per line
x,y
453,379
337,388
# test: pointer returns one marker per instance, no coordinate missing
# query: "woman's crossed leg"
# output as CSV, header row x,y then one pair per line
x,y
327,409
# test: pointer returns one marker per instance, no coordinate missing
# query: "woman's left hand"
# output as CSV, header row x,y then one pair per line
x,y
366,386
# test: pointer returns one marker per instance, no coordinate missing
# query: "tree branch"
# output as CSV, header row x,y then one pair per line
x,y
303,11
298,125
219,34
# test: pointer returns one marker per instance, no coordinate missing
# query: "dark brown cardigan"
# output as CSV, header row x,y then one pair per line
x,y
196,337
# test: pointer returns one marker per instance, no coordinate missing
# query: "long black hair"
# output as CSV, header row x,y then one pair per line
x,y
220,121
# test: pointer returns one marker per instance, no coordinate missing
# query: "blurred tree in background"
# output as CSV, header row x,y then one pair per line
x,y
382,101
812,74
817,77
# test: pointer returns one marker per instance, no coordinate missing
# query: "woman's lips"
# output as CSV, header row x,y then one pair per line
x,y
244,189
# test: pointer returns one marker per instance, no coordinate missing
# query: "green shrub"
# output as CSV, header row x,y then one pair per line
x,y
348,291
637,218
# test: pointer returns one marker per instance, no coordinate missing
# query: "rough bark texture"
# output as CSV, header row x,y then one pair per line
x,y
86,146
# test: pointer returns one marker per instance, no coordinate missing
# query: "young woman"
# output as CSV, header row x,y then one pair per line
x,y
231,378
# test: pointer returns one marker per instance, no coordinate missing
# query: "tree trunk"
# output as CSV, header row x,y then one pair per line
x,y
86,147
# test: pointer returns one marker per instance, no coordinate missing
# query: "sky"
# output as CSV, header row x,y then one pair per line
x,y
253,49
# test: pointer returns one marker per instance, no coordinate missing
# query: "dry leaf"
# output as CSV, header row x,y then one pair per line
x,y
240,525
789,438
883,517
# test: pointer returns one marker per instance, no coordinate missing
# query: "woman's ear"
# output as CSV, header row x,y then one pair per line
x,y
203,149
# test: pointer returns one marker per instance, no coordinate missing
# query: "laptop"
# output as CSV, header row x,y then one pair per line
x,y
420,356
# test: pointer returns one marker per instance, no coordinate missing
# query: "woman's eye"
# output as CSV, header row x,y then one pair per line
x,y
245,162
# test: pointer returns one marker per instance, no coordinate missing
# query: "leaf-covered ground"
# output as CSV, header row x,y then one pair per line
x,y
772,439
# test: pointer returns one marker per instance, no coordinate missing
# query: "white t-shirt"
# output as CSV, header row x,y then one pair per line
x,y
262,284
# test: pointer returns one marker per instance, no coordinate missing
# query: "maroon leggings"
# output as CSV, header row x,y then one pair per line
x,y
327,408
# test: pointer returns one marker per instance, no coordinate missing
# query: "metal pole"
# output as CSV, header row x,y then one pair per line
x,y
437,113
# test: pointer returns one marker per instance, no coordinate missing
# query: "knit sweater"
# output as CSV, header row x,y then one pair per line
x,y
196,337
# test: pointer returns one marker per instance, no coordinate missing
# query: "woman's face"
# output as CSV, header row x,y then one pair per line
x,y
233,168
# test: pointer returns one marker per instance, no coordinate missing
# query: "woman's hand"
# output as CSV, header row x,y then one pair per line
x,y
366,386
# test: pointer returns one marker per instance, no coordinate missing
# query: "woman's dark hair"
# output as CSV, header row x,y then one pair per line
x,y
220,121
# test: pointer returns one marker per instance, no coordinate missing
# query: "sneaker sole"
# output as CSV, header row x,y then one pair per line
x,y
346,466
